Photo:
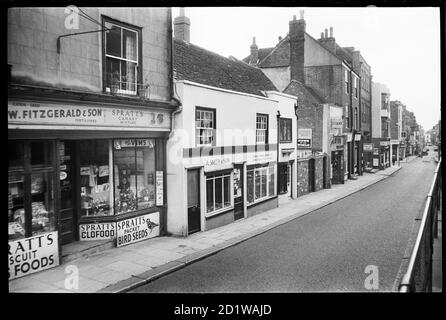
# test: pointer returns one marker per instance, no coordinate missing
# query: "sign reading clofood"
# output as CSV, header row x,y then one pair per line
x,y
137,229
33,254
97,231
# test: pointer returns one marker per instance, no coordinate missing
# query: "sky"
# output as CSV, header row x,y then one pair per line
x,y
402,45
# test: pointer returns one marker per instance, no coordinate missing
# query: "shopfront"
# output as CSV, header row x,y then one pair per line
x,y
82,172
337,160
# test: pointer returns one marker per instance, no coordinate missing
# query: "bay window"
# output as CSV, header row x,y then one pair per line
x,y
218,193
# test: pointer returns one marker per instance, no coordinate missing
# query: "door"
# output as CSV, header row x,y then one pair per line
x,y
238,192
283,178
193,201
324,173
311,175
67,213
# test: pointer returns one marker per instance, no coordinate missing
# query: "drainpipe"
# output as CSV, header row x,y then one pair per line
x,y
172,85
278,149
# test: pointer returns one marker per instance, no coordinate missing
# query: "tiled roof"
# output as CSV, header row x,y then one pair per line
x,y
279,56
304,93
263,52
199,65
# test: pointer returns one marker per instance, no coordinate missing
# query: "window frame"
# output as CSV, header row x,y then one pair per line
x,y
139,65
213,128
347,81
266,131
290,121
213,177
268,167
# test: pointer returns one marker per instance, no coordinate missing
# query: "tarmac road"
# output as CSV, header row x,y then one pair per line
x,y
326,250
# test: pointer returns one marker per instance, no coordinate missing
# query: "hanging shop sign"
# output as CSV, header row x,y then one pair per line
x,y
368,147
336,123
375,162
384,143
375,151
95,117
304,143
137,229
97,231
348,137
159,188
33,254
357,137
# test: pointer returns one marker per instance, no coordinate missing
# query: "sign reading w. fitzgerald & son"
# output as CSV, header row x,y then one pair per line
x,y
23,114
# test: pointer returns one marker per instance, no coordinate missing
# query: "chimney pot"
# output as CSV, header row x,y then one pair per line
x,y
322,35
253,40
181,27
301,14
331,32
294,17
326,33
182,12
280,38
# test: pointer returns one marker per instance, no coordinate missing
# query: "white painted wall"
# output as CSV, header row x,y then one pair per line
x,y
377,90
235,125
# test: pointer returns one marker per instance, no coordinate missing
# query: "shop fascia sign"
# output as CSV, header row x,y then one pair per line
x,y
368,147
22,114
384,143
33,254
349,137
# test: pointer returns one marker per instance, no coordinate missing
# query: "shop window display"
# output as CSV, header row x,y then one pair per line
x,y
218,195
94,178
260,183
134,174
37,176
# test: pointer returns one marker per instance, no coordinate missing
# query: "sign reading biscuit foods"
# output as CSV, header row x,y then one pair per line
x,y
34,254
137,229
22,114
97,231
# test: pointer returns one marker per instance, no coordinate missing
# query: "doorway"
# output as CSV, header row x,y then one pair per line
x,y
324,172
193,201
238,192
68,212
311,175
283,181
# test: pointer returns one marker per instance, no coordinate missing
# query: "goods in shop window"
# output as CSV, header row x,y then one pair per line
x,y
37,184
19,216
15,230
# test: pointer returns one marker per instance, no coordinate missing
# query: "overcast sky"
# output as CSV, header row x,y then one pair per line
x,y
402,45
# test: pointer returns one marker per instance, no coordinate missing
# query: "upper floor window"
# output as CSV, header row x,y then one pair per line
x,y
204,126
285,130
261,128
347,82
122,58
355,84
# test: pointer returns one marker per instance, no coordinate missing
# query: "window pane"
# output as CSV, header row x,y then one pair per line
x,y
257,184
94,177
209,195
128,76
43,219
129,44
145,163
16,206
41,153
15,155
263,177
113,40
271,181
226,191
124,178
218,193
113,73
250,186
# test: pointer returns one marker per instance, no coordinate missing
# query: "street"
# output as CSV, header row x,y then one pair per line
x,y
326,250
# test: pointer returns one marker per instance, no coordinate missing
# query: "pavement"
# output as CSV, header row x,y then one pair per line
x,y
125,268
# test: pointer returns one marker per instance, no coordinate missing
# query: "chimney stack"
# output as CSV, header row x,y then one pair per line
x,y
254,52
331,32
326,33
297,29
181,26
322,35
328,42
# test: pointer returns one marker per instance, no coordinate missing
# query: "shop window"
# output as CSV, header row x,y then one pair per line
x,y
204,127
261,128
30,189
94,177
218,195
260,183
285,130
121,58
134,174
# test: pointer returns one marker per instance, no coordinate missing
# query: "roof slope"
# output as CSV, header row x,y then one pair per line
x,y
263,52
304,93
199,65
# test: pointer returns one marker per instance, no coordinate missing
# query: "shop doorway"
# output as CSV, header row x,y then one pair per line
x,y
324,172
238,192
68,212
311,175
283,181
193,201
337,161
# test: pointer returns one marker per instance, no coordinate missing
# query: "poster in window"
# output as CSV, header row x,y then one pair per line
x,y
237,183
159,188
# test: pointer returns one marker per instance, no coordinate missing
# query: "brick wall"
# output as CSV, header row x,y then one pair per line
x,y
311,116
303,174
302,177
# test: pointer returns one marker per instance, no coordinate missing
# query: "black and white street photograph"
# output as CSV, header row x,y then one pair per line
x,y
232,149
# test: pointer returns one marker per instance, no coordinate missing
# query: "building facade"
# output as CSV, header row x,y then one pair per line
x,y
89,112
396,125
380,126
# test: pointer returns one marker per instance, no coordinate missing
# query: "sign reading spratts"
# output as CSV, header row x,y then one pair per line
x,y
33,254
31,113
97,231
137,229
127,143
